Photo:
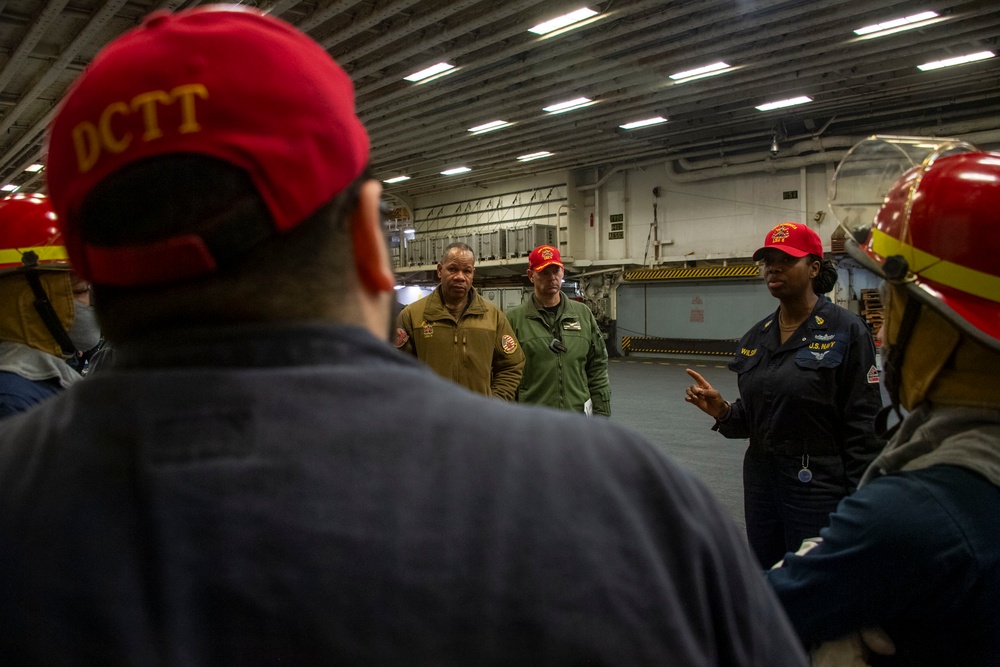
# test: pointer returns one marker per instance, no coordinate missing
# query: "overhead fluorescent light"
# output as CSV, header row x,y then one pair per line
x,y
896,25
781,104
10,187
533,156
456,170
569,105
643,123
701,72
34,168
433,70
563,21
960,60
489,127
396,179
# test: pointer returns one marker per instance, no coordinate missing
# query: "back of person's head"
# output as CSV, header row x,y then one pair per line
x,y
36,289
205,169
936,240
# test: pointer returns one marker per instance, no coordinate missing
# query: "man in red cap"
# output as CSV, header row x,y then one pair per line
x,y
567,359
260,478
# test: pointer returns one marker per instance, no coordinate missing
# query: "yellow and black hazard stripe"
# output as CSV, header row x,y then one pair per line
x,y
678,345
689,273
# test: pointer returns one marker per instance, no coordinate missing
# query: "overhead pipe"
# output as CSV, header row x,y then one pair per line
x,y
614,170
564,246
818,145
763,162
614,269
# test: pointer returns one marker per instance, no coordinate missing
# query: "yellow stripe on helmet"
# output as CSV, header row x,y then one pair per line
x,y
46,253
941,271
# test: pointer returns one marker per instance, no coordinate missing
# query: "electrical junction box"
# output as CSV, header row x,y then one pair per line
x,y
522,240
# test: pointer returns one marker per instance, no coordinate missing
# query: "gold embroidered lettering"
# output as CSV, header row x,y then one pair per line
x,y
147,103
87,146
748,353
108,139
90,139
185,94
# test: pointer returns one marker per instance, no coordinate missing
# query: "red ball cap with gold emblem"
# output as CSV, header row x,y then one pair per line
x,y
543,256
29,236
938,234
792,238
218,80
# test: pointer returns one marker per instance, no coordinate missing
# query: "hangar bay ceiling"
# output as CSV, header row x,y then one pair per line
x,y
621,61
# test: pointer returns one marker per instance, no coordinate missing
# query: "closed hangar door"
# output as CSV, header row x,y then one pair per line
x,y
708,313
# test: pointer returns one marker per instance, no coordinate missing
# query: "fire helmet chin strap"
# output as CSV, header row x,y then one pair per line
x,y
892,369
44,306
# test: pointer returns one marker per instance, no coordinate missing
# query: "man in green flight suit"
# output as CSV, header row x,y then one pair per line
x,y
461,335
567,359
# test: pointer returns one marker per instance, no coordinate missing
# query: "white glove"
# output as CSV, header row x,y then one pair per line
x,y
807,545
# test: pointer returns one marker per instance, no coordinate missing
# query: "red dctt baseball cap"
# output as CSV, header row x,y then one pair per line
x,y
220,81
542,256
792,238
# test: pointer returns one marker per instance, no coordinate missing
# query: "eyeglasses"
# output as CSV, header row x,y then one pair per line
x,y
557,346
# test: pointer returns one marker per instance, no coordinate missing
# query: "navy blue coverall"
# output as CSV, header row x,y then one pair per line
x,y
808,407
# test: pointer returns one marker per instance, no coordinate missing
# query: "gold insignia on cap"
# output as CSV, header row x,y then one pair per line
x,y
780,233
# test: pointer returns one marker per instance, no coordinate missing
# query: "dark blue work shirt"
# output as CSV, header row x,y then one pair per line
x,y
306,495
916,553
17,393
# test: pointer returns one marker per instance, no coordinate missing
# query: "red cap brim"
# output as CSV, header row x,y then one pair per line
x,y
547,264
789,250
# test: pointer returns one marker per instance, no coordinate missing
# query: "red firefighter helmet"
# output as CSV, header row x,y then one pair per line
x,y
29,237
937,233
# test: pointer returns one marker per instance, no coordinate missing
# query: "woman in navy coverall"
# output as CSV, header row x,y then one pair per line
x,y
809,394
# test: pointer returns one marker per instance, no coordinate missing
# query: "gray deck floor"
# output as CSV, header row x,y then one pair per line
x,y
647,395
